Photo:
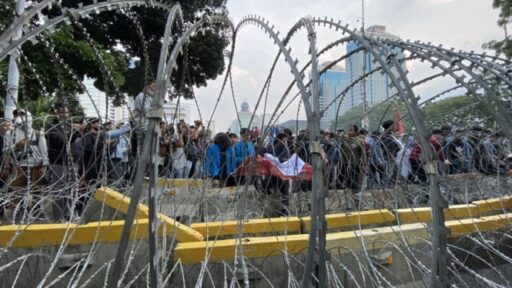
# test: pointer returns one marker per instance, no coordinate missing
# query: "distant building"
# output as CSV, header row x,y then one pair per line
x,y
174,112
245,116
331,83
96,105
377,85
294,125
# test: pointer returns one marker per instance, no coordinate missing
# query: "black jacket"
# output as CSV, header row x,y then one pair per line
x,y
92,154
58,135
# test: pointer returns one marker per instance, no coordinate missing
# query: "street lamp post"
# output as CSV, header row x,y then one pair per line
x,y
13,78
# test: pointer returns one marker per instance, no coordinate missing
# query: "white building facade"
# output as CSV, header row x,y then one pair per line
x,y
95,104
245,116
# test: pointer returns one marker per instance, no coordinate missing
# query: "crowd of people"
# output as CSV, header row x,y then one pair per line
x,y
73,159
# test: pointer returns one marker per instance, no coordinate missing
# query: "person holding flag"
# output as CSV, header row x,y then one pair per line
x,y
399,126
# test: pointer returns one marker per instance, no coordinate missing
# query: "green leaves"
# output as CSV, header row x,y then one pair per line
x,y
376,115
462,111
502,46
56,70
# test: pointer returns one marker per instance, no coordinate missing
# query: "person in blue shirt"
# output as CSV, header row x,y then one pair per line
x,y
245,148
219,162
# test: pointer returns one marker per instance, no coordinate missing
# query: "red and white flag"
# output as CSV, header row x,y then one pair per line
x,y
399,127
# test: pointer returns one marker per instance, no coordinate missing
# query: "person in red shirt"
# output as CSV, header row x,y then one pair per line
x,y
255,132
418,174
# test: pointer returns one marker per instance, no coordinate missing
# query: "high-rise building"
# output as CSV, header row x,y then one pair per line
x,y
376,86
95,104
331,83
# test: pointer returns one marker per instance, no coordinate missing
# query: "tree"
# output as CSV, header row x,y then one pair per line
x,y
502,46
462,111
377,114
204,58
113,38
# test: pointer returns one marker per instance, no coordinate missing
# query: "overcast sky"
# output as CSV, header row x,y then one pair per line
x,y
463,24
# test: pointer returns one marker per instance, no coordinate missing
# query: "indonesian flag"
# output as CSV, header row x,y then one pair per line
x,y
399,127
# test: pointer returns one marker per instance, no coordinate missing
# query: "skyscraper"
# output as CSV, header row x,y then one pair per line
x,y
330,84
377,84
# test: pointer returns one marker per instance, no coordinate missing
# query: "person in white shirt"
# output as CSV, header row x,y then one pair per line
x,y
179,159
119,148
143,103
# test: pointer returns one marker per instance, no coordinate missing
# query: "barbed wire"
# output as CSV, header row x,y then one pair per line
x,y
382,175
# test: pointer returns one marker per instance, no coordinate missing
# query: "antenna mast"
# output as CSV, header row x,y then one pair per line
x,y
365,121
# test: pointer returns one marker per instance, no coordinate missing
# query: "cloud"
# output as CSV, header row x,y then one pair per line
x,y
440,1
243,76
463,24
237,72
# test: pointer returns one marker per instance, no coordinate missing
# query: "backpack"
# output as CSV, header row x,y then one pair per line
x,y
192,151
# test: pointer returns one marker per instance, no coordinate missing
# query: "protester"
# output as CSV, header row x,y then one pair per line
x,y
179,159
245,148
117,150
61,169
219,162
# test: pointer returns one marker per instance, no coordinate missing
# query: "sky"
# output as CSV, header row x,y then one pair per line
x,y
462,24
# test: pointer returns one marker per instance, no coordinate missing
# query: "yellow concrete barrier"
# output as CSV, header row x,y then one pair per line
x,y
224,250
37,235
290,225
120,202
353,219
337,243
422,214
175,229
179,183
461,211
376,238
494,204
342,242
483,224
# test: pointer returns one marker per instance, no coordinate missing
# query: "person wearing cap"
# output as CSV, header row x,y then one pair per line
x,y
93,144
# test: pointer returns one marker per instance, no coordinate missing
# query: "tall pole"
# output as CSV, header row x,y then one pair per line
x,y
365,122
317,233
13,78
